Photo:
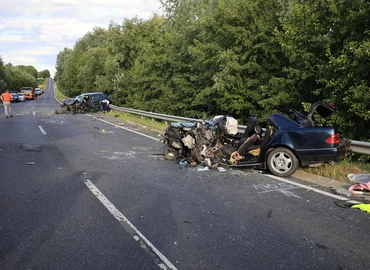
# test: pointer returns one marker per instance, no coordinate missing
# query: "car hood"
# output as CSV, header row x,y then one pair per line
x,y
69,101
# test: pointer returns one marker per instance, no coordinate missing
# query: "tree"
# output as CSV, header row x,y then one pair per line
x,y
66,73
2,75
43,74
29,69
16,78
327,47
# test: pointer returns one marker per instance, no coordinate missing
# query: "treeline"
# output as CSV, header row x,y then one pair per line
x,y
15,77
208,57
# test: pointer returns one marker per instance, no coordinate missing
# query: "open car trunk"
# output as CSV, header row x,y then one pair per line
x,y
321,108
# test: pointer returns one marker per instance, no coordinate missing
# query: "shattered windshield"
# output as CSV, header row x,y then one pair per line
x,y
79,98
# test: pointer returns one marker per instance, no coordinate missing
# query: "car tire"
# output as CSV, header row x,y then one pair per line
x,y
282,162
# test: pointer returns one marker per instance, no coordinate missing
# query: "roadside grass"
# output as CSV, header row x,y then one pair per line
x,y
340,170
59,96
146,122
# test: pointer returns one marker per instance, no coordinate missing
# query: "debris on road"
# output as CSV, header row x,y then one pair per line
x,y
213,143
202,169
360,187
74,106
358,178
363,207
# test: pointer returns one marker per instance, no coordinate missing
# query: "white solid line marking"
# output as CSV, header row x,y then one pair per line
x,y
124,222
313,189
142,134
42,130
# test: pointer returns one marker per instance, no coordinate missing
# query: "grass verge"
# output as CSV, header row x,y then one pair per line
x,y
148,123
339,170
59,96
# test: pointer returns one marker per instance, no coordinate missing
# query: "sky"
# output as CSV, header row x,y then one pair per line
x,y
33,32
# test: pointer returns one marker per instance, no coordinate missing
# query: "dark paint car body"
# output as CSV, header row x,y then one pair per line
x,y
290,143
14,96
93,99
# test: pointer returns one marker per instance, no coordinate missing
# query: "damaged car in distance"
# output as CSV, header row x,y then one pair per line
x,y
86,102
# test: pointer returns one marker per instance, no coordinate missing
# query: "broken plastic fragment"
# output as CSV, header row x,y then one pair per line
x,y
343,191
203,169
31,163
221,169
358,178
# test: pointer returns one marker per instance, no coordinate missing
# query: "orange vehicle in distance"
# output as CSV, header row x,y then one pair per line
x,y
29,92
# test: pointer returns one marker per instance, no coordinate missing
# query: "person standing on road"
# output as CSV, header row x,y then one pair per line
x,y
6,99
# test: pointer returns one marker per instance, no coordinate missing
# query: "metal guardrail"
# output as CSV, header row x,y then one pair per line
x,y
165,117
358,147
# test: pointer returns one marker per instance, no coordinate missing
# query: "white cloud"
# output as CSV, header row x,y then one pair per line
x,y
33,32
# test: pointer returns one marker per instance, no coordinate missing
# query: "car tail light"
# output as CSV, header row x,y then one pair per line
x,y
333,139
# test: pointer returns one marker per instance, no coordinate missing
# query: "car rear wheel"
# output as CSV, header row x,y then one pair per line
x,y
282,162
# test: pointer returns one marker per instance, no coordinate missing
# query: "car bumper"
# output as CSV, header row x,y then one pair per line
x,y
311,156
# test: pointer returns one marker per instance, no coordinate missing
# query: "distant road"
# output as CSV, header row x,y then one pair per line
x,y
80,193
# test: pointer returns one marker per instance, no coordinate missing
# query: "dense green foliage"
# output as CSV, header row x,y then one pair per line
x,y
43,74
15,77
208,57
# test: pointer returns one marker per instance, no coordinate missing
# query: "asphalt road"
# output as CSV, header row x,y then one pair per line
x,y
80,193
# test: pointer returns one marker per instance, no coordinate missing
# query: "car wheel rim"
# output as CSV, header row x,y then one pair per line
x,y
281,162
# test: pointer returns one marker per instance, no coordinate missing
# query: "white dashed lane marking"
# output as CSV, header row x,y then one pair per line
x,y
42,130
129,227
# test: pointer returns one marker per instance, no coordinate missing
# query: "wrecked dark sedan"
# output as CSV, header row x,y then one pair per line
x,y
286,144
87,102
